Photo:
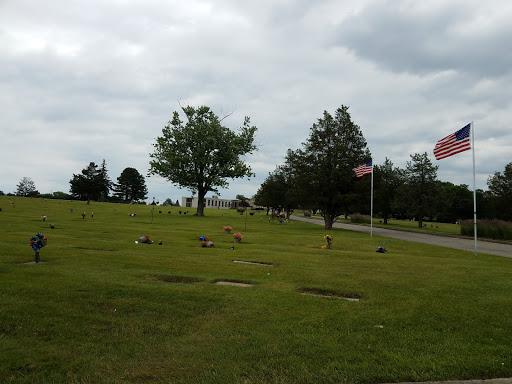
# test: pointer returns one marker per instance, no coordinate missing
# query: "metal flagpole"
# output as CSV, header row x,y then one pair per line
x,y
371,207
474,185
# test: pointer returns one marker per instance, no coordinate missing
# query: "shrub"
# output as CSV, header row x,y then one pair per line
x,y
492,229
360,219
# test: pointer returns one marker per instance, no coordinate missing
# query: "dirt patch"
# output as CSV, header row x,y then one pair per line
x,y
329,293
234,283
253,262
173,279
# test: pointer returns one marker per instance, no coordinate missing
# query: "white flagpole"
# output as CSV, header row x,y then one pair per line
x,y
371,207
474,185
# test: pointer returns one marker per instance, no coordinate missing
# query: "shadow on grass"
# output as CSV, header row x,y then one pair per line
x,y
173,279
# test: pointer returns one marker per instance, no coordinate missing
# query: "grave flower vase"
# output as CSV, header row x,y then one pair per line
x,y
36,257
237,240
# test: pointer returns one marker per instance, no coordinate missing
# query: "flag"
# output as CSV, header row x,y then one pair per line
x,y
364,169
452,144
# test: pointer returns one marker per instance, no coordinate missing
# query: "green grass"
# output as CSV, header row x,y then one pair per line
x,y
430,227
102,309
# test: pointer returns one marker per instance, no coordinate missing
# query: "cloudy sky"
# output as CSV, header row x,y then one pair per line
x,y
87,80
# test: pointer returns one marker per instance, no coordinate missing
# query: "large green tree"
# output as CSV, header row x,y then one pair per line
x,y
500,187
416,196
323,167
200,153
130,186
92,184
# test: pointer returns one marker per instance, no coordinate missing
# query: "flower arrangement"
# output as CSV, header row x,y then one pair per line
x,y
328,238
207,244
227,229
144,240
238,236
38,241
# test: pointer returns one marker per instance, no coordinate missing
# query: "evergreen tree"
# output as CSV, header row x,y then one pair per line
x,y
386,181
130,186
322,169
91,184
415,198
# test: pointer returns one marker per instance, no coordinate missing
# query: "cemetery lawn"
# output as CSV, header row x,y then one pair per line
x,y
430,227
100,308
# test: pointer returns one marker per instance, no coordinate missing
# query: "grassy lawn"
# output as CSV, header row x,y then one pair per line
x,y
430,227
102,309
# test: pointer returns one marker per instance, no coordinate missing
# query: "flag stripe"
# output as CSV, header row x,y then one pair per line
x,y
364,169
454,143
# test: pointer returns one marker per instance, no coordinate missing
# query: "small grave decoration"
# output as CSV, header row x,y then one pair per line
x,y
227,229
381,249
37,242
237,237
207,244
328,238
144,240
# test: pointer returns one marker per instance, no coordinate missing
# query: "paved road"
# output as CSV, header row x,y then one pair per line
x,y
488,247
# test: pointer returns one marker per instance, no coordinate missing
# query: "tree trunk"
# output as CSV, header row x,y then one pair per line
x,y
328,220
200,203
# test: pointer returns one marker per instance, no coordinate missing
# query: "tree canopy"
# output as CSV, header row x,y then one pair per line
x,y
130,186
322,169
27,188
92,184
386,181
500,187
278,191
417,195
200,153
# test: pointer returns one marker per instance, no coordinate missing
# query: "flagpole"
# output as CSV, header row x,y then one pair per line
x,y
474,186
371,207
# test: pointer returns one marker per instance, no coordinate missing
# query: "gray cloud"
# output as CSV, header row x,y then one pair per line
x,y
86,81
428,37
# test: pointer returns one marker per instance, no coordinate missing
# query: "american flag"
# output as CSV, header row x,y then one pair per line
x,y
364,169
452,144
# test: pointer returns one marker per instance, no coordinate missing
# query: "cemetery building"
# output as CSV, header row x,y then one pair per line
x,y
210,202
